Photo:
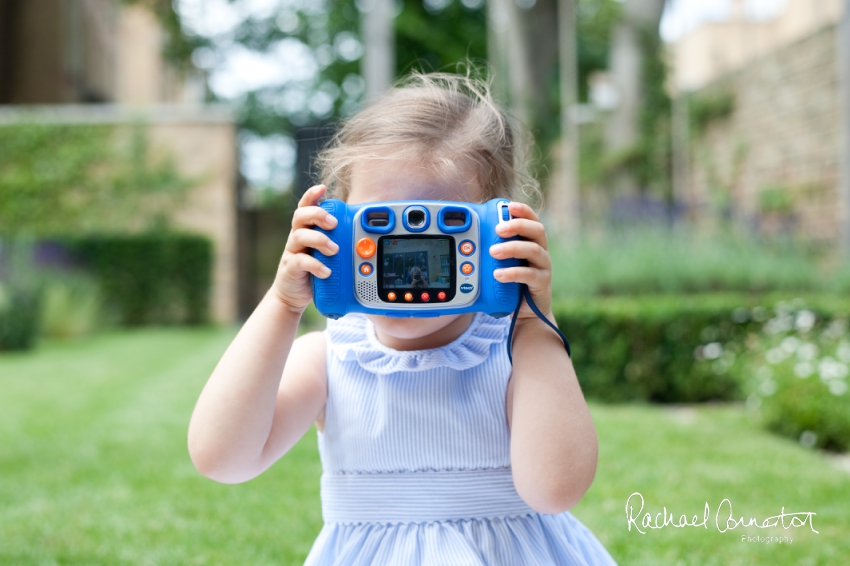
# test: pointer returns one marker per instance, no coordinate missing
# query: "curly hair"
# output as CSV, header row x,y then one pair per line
x,y
442,120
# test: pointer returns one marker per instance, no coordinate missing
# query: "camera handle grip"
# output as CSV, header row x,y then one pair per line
x,y
524,293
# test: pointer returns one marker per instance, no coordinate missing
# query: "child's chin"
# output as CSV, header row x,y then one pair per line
x,y
411,328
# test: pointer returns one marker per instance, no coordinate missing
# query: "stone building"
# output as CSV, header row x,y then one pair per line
x,y
714,49
768,108
101,61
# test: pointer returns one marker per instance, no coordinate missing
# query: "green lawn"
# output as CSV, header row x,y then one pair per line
x,y
681,458
94,470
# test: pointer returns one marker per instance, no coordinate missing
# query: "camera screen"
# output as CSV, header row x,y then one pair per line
x,y
423,266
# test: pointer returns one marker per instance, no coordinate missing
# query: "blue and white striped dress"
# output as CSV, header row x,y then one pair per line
x,y
416,459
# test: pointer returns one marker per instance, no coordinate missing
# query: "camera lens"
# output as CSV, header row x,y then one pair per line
x,y
416,218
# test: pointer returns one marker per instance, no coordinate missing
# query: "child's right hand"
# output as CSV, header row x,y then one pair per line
x,y
292,282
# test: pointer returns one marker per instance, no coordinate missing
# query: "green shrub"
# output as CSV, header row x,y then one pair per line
x,y
19,317
710,107
70,305
656,260
151,278
795,371
646,348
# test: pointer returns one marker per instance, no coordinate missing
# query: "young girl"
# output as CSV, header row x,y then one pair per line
x,y
435,449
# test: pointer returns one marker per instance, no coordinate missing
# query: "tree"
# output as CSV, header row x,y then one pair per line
x,y
541,85
429,36
637,70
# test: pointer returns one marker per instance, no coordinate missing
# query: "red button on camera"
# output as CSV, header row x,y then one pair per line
x,y
441,295
425,297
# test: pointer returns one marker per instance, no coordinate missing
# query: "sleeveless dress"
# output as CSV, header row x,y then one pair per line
x,y
416,459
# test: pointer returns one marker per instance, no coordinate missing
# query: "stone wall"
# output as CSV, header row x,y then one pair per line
x,y
716,48
781,140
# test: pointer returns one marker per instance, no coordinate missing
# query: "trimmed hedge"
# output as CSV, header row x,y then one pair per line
x,y
151,278
644,348
19,318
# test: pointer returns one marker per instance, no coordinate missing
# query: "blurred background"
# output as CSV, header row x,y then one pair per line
x,y
695,161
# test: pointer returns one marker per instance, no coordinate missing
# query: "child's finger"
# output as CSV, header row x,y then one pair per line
x,y
313,216
528,229
522,249
304,262
302,239
534,277
312,195
522,210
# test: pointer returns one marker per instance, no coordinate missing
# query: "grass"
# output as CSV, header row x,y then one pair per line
x,y
95,470
682,457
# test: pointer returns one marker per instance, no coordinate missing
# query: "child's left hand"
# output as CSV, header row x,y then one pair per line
x,y
532,248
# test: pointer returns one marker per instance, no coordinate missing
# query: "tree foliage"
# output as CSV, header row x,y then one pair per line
x,y
425,39
328,31
437,39
429,36
637,133
179,45
595,21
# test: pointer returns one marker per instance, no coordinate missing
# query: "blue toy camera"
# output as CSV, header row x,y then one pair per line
x,y
415,259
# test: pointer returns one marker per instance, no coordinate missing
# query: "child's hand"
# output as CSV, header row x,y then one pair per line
x,y
538,273
292,282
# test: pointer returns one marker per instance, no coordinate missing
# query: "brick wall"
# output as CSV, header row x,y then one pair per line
x,y
203,146
782,135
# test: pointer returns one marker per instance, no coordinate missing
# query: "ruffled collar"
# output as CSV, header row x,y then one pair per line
x,y
353,337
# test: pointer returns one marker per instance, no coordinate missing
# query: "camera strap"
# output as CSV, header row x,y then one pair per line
x,y
527,295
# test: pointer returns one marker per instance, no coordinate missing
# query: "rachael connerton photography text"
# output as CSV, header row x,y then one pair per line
x,y
724,519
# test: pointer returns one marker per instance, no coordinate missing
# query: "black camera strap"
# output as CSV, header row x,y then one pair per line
x,y
524,293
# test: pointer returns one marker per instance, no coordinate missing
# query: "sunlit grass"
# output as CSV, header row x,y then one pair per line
x,y
682,457
95,470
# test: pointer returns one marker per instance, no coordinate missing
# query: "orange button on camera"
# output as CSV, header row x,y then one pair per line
x,y
391,296
365,269
408,297
366,247
467,268
467,247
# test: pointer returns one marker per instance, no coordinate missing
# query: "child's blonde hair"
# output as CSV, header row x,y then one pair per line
x,y
443,120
